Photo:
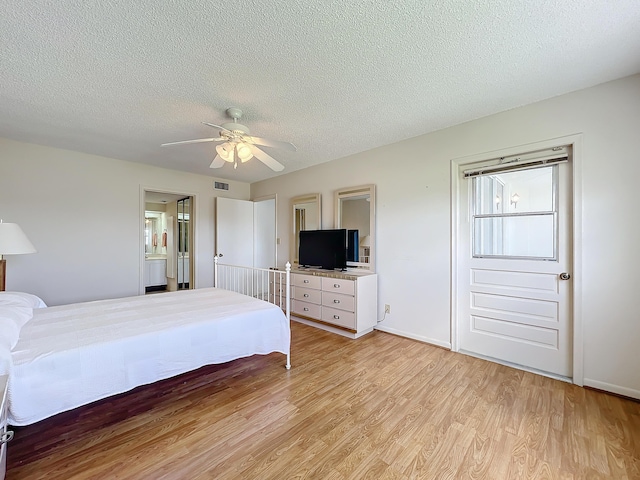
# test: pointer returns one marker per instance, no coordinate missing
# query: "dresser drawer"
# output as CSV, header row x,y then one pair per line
x,y
305,308
307,281
339,317
277,289
308,295
278,300
339,301
338,285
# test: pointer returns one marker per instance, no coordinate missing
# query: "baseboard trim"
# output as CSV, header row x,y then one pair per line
x,y
419,338
609,387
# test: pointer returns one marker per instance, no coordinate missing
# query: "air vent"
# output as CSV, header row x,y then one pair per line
x,y
221,186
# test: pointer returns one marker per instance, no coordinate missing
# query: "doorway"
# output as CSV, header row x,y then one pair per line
x,y
513,248
168,241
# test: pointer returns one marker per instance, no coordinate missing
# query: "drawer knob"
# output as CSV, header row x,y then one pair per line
x,y
336,285
306,295
306,309
305,281
336,301
337,317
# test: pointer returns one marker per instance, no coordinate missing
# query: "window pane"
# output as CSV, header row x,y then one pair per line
x,y
489,193
515,192
526,236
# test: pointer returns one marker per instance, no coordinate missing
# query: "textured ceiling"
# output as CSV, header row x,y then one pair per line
x,y
119,77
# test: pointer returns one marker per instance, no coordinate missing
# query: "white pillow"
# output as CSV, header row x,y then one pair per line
x,y
19,315
21,299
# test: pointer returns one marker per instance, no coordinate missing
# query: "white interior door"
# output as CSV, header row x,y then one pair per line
x,y
514,255
234,231
265,248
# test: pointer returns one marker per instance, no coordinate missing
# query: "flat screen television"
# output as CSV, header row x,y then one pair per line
x,y
326,249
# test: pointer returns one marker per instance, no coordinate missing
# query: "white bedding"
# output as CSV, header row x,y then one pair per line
x,y
72,355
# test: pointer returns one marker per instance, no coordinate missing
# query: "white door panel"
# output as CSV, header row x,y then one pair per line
x,y
234,231
514,281
265,233
514,309
514,331
517,310
246,232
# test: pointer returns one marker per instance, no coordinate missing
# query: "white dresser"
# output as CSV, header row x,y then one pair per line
x,y
341,302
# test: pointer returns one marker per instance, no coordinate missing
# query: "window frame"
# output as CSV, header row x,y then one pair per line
x,y
479,196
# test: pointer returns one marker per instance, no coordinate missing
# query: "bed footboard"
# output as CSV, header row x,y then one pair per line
x,y
270,285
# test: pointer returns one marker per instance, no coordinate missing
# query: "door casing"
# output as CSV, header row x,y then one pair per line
x,y
194,238
575,141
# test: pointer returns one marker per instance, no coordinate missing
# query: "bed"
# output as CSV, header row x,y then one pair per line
x,y
71,355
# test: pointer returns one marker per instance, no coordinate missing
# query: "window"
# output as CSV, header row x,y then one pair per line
x,y
514,214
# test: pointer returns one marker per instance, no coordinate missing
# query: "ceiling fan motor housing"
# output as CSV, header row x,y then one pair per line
x,y
236,128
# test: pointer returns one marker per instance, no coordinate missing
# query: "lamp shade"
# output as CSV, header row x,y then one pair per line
x,y
13,241
225,151
244,152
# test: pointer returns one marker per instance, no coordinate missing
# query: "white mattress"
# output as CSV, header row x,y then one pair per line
x,y
72,355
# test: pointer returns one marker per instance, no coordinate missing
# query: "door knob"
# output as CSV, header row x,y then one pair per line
x,y
565,276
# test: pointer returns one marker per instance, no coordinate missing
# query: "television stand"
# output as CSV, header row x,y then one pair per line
x,y
337,301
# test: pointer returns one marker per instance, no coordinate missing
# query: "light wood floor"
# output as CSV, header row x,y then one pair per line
x,y
379,407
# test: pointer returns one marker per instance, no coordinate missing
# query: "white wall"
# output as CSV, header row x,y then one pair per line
x,y
413,218
83,214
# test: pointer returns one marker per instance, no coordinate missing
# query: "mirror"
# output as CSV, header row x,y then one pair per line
x,y
155,228
306,216
356,211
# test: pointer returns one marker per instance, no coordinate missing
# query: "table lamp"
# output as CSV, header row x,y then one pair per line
x,y
13,241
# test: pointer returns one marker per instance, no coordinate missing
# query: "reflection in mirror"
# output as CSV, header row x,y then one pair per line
x,y
355,211
515,214
184,210
155,228
306,216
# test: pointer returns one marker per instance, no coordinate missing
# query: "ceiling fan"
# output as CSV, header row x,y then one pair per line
x,y
239,145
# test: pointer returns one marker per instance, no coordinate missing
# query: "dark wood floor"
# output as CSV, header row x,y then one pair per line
x,y
378,407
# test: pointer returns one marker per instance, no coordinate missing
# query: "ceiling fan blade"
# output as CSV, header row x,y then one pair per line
x,y
215,126
217,162
267,159
271,143
199,140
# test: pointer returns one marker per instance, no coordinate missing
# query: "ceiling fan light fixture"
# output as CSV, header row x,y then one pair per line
x,y
225,151
244,152
237,146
